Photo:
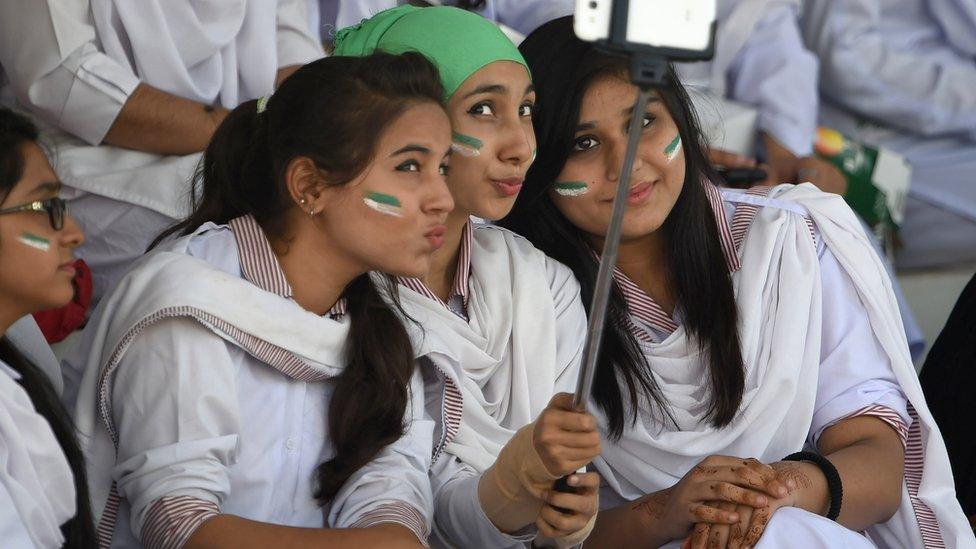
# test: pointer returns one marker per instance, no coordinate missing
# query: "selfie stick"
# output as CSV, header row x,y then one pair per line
x,y
608,259
646,71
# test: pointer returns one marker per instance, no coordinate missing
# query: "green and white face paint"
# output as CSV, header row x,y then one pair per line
x,y
671,151
34,241
571,188
383,203
465,145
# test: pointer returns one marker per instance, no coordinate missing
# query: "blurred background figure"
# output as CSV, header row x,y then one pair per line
x,y
130,94
902,74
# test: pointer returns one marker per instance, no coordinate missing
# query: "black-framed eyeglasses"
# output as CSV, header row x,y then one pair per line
x,y
55,208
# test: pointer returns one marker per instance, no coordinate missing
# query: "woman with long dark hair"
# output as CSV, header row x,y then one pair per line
x,y
500,317
754,366
249,384
43,492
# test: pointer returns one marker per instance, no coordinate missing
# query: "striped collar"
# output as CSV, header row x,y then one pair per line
x,y
459,290
643,307
259,264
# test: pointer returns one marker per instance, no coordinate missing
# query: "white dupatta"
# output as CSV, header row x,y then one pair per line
x,y
166,284
504,359
778,296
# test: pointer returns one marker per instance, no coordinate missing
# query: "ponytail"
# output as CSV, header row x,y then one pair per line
x,y
332,111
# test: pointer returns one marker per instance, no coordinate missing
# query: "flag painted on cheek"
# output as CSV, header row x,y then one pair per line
x,y
466,145
571,188
671,151
383,203
35,241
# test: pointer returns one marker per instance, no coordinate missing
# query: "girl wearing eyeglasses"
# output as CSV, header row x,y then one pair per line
x,y
43,495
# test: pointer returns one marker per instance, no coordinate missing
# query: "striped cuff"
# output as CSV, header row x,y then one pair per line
x,y
886,415
397,513
172,520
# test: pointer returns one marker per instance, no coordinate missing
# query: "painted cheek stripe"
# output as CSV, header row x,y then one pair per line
x,y
383,203
465,144
571,188
671,151
35,241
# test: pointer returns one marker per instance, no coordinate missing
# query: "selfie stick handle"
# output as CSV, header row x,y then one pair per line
x,y
608,259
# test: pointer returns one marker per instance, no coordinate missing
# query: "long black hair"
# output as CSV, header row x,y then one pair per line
x,y
563,68
333,112
16,131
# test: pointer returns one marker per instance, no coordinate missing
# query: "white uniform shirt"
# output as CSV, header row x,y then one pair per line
x,y
37,490
204,427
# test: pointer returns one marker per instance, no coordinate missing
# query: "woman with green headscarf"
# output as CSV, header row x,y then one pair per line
x,y
504,323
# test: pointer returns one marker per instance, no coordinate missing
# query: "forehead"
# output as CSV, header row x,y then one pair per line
x,y
509,74
607,92
422,122
37,169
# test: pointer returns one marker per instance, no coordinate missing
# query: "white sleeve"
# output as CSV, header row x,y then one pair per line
x,y
179,378
48,52
13,531
295,43
775,73
394,486
459,518
855,372
527,15
570,324
860,70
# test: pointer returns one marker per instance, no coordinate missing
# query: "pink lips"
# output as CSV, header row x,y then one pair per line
x,y
436,236
639,193
508,187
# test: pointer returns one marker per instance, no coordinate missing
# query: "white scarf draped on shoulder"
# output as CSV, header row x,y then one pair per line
x,y
778,294
166,284
504,359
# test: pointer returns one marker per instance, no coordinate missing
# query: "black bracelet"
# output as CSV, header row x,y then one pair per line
x,y
834,485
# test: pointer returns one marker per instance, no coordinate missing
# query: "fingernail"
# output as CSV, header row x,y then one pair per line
x,y
573,480
734,517
761,500
791,483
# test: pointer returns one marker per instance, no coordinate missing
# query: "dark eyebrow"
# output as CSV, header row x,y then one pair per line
x,y
449,153
47,187
487,88
586,126
411,148
529,89
630,110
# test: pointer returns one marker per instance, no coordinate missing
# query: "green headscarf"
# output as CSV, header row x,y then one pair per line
x,y
458,42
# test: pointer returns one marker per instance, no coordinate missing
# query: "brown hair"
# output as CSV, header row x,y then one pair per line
x,y
333,112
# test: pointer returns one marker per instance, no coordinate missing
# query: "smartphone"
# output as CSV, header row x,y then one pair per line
x,y
591,19
664,24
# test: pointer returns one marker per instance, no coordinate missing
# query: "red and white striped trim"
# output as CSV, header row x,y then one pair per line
x,y
460,287
260,265
886,415
172,520
397,513
106,525
722,223
928,524
745,213
452,404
